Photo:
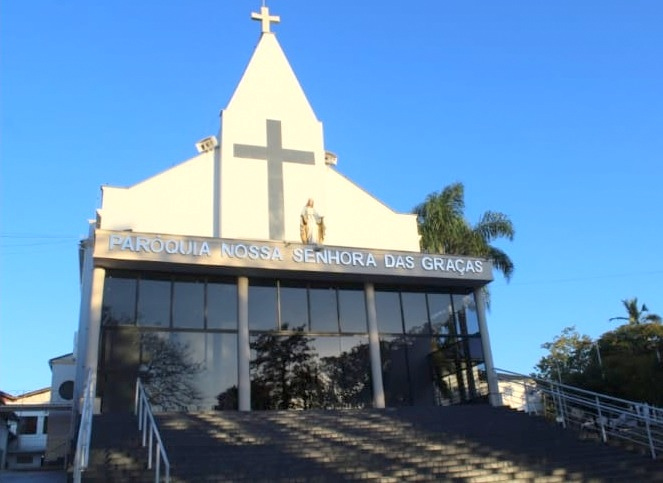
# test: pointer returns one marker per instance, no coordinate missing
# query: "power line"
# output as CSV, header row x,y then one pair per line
x,y
590,277
24,236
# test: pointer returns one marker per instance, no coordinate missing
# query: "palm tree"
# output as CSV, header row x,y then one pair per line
x,y
443,229
637,316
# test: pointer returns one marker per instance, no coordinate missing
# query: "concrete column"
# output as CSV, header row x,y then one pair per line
x,y
94,321
86,350
80,346
374,346
243,345
89,326
494,396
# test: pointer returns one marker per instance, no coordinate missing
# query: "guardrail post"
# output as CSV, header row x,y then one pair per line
x,y
147,423
85,428
157,474
149,458
611,415
560,407
601,419
646,414
136,397
144,428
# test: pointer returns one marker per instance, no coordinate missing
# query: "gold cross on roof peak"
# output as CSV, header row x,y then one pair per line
x,y
265,18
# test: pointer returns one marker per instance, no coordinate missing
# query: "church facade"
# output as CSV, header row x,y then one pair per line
x,y
256,276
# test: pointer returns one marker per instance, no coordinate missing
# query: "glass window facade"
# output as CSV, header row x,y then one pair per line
x,y
352,310
178,333
430,347
324,309
263,314
309,343
119,306
154,302
300,371
293,303
221,305
189,304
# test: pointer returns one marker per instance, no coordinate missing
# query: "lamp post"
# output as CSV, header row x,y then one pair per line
x,y
655,344
598,357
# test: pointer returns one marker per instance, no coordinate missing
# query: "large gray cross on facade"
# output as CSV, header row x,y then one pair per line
x,y
275,156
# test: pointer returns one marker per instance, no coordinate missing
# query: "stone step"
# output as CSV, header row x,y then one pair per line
x,y
465,443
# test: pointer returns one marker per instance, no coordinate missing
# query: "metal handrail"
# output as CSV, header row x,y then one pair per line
x,y
148,426
611,417
82,455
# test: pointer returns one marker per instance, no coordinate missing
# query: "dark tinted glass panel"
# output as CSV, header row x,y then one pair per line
x,y
415,313
473,349
118,368
441,313
219,381
466,314
481,379
326,347
352,310
221,305
343,381
447,369
189,370
395,371
294,307
388,308
283,372
119,306
419,365
319,372
189,304
324,313
354,381
154,302
262,307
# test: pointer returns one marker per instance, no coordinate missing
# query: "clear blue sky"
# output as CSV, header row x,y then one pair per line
x,y
549,111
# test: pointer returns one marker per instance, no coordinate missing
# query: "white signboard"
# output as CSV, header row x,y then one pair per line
x,y
131,246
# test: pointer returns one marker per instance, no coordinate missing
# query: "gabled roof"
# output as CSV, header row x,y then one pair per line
x,y
59,359
10,399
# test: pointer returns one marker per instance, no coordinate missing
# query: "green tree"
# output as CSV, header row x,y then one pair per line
x,y
570,356
626,362
637,315
632,363
444,229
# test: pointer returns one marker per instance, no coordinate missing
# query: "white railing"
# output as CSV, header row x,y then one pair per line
x,y
85,429
151,436
608,417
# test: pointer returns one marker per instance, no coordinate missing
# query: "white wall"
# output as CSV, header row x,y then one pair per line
x,y
357,219
177,201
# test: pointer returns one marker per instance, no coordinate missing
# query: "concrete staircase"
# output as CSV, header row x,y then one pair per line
x,y
117,454
473,443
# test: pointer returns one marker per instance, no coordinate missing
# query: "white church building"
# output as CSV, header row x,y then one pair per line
x,y
255,275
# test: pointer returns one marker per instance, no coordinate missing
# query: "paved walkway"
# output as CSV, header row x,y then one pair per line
x,y
33,477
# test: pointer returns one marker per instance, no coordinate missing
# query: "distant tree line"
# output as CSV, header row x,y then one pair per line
x,y
626,362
